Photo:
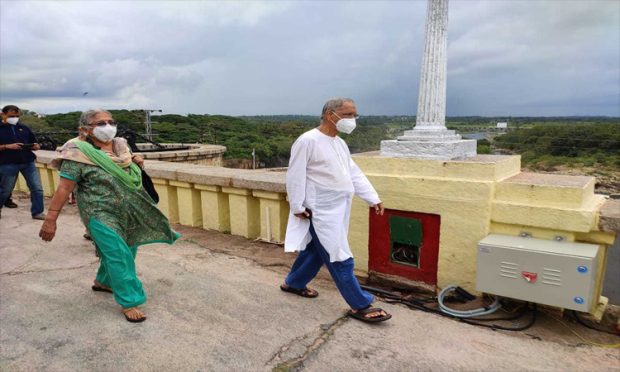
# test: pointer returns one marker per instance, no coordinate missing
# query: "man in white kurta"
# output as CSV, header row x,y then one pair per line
x,y
321,181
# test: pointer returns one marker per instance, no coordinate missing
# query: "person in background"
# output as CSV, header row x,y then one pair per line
x,y
16,144
113,205
320,183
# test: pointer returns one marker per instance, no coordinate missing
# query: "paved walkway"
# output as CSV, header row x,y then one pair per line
x,y
214,305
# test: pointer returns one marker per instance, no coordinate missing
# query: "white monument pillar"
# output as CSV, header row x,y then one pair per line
x,y
430,139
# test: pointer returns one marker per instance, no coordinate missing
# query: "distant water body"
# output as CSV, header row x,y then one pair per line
x,y
476,136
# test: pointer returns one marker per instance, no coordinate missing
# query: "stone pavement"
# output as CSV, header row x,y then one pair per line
x,y
214,305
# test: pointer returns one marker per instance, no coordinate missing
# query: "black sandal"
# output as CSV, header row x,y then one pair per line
x,y
308,293
98,288
141,319
361,315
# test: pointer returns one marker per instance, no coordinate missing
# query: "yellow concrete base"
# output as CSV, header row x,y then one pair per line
x,y
273,215
21,184
190,207
358,234
47,181
215,208
599,309
244,212
168,201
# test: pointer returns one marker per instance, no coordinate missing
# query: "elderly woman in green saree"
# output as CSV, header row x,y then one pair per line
x,y
118,213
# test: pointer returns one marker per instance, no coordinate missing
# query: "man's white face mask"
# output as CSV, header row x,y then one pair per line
x,y
104,133
345,125
13,120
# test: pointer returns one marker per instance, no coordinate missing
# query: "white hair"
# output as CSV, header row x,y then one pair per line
x,y
86,116
334,104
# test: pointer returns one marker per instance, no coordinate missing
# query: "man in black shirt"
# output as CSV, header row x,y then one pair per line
x,y
16,144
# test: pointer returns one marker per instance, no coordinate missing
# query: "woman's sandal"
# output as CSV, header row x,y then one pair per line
x,y
100,288
361,314
305,292
132,320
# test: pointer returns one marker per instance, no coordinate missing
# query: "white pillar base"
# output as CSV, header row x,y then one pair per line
x,y
432,135
439,149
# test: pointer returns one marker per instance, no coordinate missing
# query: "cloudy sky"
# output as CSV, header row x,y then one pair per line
x,y
505,58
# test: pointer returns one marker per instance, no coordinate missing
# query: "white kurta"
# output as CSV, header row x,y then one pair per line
x,y
322,177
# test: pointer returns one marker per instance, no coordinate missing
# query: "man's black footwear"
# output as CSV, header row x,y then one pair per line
x,y
10,204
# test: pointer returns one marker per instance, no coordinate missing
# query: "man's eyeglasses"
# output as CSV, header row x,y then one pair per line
x,y
102,123
347,116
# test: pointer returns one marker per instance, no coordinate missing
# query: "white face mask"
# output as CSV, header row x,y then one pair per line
x,y
12,120
105,133
346,125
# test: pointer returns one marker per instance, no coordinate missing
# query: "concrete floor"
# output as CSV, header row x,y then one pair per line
x,y
214,305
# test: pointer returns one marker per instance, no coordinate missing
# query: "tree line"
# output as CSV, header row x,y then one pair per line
x,y
595,138
555,144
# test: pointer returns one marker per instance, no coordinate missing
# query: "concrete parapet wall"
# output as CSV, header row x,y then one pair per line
x,y
250,203
473,197
195,154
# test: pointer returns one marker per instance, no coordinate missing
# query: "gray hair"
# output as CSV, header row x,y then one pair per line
x,y
86,116
334,104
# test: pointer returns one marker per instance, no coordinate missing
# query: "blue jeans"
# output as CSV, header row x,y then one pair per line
x,y
308,264
8,177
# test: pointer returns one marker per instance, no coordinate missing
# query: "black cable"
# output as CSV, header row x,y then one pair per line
x,y
390,294
492,326
419,305
580,321
518,314
531,322
378,290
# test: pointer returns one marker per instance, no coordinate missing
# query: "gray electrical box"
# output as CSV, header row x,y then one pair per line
x,y
548,272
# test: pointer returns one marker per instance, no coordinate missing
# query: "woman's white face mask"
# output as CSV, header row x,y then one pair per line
x,y
105,133
12,120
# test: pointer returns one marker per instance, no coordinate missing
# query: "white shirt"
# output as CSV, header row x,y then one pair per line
x,y
322,177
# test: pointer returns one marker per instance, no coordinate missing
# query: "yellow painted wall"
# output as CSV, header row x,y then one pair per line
x,y
464,208
475,197
189,205
273,210
215,208
244,212
168,201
